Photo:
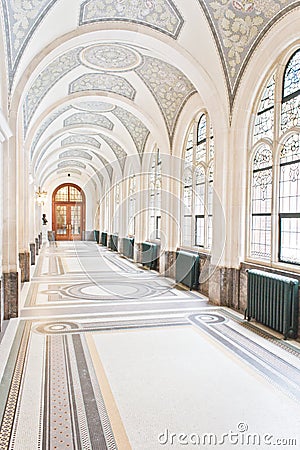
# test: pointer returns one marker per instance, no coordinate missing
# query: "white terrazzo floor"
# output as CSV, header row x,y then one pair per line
x,y
106,355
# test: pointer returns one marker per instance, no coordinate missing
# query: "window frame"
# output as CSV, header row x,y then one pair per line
x,y
281,133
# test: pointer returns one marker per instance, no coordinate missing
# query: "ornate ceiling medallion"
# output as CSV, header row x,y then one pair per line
x,y
94,106
110,58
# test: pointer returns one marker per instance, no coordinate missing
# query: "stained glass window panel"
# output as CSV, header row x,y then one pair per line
x,y
267,98
292,75
261,237
290,239
201,132
264,125
200,231
290,113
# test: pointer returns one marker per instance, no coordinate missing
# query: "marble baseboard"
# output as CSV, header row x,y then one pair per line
x,y
11,295
37,246
167,265
138,252
32,253
24,261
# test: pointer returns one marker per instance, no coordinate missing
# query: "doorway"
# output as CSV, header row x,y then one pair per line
x,y
68,212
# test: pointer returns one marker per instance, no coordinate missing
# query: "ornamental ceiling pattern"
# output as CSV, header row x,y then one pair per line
x,y
103,82
238,26
46,80
138,131
78,139
161,15
90,119
21,17
116,148
76,153
46,123
67,164
94,106
169,86
110,57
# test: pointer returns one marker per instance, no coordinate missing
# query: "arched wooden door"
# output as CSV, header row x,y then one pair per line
x,y
68,212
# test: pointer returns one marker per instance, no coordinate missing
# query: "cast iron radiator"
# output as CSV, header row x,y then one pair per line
x,y
187,269
104,238
150,255
128,246
113,242
273,301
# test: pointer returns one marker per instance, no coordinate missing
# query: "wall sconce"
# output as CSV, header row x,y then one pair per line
x,y
41,196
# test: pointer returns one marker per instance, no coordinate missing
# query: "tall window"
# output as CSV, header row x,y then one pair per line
x,y
116,216
131,206
155,196
198,184
275,179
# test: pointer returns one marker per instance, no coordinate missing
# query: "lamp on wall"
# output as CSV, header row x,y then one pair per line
x,y
41,196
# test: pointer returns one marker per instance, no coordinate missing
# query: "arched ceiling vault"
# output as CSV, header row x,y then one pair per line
x,y
91,80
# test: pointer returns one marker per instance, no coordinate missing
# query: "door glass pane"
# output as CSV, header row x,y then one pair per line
x,y
62,195
75,195
61,220
75,219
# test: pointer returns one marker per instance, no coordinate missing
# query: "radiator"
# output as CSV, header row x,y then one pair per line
x,y
113,242
104,238
150,255
187,269
273,301
128,246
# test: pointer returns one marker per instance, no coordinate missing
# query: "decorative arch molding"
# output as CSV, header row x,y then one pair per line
x,y
161,15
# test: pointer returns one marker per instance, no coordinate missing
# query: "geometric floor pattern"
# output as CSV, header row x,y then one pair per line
x,y
106,355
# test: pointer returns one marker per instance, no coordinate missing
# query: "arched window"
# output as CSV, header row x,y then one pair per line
x,y
155,196
198,184
131,206
116,216
275,187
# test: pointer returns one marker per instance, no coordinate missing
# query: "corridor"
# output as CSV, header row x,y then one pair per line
x,y
107,355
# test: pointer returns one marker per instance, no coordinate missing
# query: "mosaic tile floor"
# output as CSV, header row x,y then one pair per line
x,y
106,355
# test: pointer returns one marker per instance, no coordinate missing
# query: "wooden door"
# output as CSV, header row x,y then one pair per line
x,y
68,213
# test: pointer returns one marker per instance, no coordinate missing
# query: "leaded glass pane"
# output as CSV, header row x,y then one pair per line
x,y
75,194
289,176
291,149
62,194
187,230
290,113
189,156
264,121
261,237
200,191
261,204
187,199
190,140
264,125
75,219
211,147
201,132
290,239
263,158
201,152
267,98
292,75
200,231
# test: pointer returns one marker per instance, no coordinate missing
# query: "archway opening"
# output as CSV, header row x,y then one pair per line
x,y
68,212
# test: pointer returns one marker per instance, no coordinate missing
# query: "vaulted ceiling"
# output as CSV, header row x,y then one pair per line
x,y
90,82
